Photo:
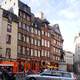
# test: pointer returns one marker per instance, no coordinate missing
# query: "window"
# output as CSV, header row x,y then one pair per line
x,y
38,53
8,52
24,38
35,42
42,42
28,54
19,36
42,53
20,24
38,32
58,58
27,39
45,43
48,54
20,14
35,31
28,28
54,41
32,52
19,49
35,52
32,30
54,49
32,41
48,44
28,18
23,50
42,32
48,34
24,15
45,53
24,26
9,27
38,42
58,51
8,40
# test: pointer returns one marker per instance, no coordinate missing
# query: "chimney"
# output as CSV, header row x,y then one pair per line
x,y
40,15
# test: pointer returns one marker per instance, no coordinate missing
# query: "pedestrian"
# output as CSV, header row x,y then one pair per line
x,y
13,76
5,75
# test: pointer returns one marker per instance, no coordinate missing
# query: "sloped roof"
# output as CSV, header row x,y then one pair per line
x,y
24,7
55,28
8,14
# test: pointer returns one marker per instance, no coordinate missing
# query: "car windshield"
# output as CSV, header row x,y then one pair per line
x,y
48,72
56,73
66,75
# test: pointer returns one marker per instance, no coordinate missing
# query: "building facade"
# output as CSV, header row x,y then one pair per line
x,y
8,34
56,45
37,45
69,60
77,54
77,48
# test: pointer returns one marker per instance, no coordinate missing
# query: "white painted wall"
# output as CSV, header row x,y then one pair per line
x,y
9,5
1,12
68,57
77,49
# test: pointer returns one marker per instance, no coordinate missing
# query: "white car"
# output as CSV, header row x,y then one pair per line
x,y
51,75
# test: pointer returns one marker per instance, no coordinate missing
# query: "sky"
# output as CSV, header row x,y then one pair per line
x,y
66,13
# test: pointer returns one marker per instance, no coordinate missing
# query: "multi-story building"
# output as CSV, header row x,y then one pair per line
x,y
36,46
77,48
56,45
8,34
31,32
68,58
77,54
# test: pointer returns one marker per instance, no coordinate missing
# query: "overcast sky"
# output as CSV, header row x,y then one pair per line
x,y
66,13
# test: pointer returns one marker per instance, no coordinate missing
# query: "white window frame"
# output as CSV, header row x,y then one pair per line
x,y
32,52
35,52
19,36
42,42
27,39
23,50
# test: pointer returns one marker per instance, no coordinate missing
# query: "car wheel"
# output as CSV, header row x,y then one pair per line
x,y
32,78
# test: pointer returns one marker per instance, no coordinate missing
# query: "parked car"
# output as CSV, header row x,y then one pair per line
x,y
51,75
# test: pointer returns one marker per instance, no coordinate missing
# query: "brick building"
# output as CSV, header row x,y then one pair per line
x,y
56,45
37,43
